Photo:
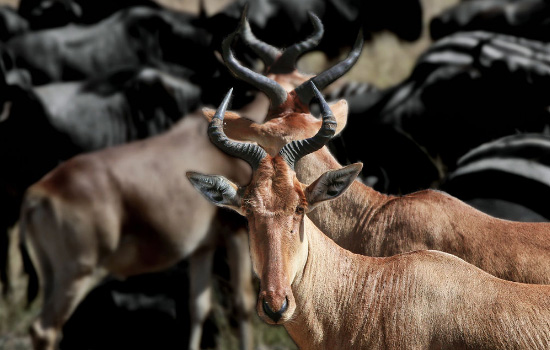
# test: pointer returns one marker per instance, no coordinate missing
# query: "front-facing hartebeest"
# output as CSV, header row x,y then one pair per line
x,y
329,298
371,223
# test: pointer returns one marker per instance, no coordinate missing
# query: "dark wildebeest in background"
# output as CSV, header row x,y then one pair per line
x,y
519,163
11,24
466,89
44,14
160,38
523,18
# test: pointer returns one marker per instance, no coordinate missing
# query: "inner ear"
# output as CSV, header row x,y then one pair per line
x,y
331,184
217,189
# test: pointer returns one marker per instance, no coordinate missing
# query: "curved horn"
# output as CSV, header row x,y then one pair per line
x,y
249,152
277,95
325,78
287,62
269,54
292,152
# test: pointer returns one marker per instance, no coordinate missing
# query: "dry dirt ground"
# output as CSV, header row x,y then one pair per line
x,y
384,61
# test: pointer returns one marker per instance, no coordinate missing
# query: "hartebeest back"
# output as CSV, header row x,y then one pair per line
x,y
371,223
329,298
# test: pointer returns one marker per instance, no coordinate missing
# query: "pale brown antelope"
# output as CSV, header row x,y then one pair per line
x,y
329,298
371,223
122,210
116,210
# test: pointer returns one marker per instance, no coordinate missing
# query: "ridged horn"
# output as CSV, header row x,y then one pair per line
x,y
322,80
277,95
268,54
287,62
293,151
249,152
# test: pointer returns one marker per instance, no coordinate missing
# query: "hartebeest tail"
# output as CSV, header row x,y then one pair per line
x,y
329,298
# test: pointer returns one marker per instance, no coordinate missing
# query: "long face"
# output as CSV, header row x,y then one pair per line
x,y
274,204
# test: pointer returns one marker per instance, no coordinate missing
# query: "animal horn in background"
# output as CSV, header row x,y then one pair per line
x,y
249,152
268,54
287,62
295,150
275,60
322,80
275,92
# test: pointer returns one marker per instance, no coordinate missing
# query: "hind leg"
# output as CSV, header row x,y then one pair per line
x,y
62,294
244,301
200,296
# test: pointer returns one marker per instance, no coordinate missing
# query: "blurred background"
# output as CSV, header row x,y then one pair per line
x,y
447,94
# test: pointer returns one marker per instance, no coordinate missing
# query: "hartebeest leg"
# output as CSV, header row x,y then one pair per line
x,y
63,292
244,300
4,265
200,293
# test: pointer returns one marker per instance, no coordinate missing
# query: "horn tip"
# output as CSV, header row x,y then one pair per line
x,y
244,14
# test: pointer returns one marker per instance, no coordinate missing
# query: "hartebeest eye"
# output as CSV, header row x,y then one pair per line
x,y
300,210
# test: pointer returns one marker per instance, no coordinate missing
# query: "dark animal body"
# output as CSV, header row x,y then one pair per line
x,y
136,36
466,89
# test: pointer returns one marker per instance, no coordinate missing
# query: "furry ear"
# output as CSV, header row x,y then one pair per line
x,y
340,110
217,189
331,184
234,126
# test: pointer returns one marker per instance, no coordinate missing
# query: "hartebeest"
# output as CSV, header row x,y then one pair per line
x,y
371,223
329,298
122,209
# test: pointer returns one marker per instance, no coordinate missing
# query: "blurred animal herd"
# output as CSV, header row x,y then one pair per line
x,y
106,105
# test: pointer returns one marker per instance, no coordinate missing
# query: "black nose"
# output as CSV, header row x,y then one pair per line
x,y
275,315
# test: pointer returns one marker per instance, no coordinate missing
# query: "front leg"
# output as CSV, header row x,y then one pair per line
x,y
200,293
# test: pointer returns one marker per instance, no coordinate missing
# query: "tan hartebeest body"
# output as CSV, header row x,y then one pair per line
x,y
329,298
371,223
126,210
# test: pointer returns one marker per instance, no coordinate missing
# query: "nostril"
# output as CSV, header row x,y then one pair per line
x,y
275,315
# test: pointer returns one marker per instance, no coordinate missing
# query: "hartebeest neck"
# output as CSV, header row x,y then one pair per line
x,y
330,275
353,209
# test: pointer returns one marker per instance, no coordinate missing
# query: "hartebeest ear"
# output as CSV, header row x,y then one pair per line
x,y
331,184
234,126
217,189
340,110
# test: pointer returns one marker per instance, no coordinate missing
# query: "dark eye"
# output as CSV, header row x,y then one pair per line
x,y
248,211
300,210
